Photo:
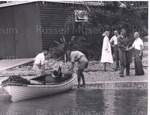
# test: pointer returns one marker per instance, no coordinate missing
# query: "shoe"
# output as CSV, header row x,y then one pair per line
x,y
78,86
116,69
121,75
83,85
105,70
128,74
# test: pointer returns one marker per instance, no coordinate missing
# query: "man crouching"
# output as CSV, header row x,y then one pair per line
x,y
39,62
77,56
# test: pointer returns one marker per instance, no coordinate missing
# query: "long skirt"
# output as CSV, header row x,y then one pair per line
x,y
138,63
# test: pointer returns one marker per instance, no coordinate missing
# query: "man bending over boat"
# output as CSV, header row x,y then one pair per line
x,y
39,62
77,56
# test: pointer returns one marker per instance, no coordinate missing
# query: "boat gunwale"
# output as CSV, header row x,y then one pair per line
x,y
54,85
42,86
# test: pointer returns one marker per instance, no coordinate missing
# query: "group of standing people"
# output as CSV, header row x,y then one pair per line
x,y
122,46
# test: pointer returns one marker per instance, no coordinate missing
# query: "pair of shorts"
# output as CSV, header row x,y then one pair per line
x,y
83,65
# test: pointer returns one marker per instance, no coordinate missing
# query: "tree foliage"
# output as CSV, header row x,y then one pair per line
x,y
109,17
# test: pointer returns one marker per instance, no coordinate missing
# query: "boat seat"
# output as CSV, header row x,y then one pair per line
x,y
35,82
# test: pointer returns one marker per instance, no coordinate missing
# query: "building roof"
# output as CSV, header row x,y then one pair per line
x,y
13,3
90,3
86,3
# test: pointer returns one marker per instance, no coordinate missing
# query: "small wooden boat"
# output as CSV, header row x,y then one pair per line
x,y
19,92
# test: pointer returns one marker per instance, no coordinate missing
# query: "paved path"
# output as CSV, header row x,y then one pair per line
x,y
7,64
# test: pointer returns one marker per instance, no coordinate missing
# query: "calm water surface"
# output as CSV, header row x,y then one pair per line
x,y
82,102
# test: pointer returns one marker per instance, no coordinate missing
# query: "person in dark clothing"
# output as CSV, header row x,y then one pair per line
x,y
125,56
57,74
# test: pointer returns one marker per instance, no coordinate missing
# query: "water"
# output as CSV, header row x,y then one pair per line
x,y
82,102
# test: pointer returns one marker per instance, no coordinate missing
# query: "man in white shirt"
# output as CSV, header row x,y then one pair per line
x,y
138,53
39,62
114,40
137,44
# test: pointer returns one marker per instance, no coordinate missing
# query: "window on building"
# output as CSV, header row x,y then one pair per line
x,y
81,16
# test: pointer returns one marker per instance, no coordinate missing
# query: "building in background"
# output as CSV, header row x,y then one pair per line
x,y
26,28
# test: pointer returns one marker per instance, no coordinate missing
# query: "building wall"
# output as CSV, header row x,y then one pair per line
x,y
61,15
22,39
52,19
7,41
26,20
36,26
56,20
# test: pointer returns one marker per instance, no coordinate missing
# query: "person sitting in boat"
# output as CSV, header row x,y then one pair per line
x,y
39,62
77,56
57,74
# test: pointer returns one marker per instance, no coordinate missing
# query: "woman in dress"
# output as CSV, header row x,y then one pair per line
x,y
138,53
106,56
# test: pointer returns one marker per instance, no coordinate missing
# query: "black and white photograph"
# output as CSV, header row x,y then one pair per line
x,y
74,57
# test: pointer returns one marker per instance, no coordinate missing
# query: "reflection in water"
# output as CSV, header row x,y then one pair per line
x,y
132,101
109,97
90,102
82,102
53,105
